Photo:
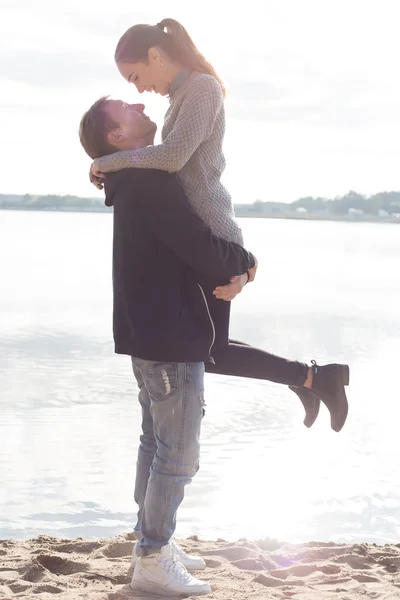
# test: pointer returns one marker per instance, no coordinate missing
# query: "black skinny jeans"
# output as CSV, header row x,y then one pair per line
x,y
242,360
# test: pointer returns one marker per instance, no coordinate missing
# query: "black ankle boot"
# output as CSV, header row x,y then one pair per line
x,y
310,402
328,384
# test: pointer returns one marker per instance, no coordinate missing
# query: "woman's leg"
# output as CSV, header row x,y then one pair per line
x,y
311,385
242,360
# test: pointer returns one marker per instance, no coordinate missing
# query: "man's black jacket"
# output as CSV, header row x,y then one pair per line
x,y
161,251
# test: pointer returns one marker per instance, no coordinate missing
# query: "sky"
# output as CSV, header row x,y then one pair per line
x,y
314,90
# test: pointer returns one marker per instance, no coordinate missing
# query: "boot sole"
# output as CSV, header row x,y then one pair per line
x,y
151,588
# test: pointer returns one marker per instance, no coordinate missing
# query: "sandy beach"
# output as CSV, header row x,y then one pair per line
x,y
47,567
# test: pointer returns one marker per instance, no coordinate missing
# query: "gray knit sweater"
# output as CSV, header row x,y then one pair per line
x,y
192,136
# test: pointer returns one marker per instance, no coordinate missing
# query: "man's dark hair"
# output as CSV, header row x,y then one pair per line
x,y
95,124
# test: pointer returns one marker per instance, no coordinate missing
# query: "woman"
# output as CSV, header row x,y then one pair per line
x,y
168,63
164,59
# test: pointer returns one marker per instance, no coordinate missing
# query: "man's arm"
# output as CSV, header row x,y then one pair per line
x,y
171,219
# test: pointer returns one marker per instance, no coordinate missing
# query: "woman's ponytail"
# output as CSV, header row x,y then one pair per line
x,y
170,37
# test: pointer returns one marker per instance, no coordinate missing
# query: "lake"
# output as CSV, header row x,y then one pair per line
x,y
70,417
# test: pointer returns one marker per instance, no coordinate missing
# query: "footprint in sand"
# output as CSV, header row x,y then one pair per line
x,y
391,563
362,578
118,550
305,571
302,570
272,582
329,569
126,594
355,562
61,566
213,564
34,573
77,546
279,573
18,587
248,564
234,553
267,581
49,589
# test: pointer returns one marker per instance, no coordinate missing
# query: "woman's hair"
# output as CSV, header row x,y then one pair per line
x,y
177,44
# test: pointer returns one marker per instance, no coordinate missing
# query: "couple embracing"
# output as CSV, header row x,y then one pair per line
x,y
178,262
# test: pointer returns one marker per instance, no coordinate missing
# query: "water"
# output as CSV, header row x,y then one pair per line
x,y
69,412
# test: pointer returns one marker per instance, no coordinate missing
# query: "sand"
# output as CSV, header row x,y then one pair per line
x,y
46,567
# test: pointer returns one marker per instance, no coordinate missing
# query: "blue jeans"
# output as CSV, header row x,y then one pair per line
x,y
172,399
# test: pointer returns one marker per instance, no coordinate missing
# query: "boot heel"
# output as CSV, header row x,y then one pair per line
x,y
345,374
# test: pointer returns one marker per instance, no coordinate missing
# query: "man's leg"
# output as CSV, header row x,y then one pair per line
x,y
146,451
176,403
176,406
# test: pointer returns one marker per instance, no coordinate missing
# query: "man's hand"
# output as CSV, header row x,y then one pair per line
x,y
231,290
95,175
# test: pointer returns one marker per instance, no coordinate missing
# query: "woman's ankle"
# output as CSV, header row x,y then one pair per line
x,y
308,382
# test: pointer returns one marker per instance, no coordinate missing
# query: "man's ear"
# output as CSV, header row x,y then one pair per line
x,y
114,136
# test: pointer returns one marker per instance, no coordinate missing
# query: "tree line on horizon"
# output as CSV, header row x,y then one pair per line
x,y
389,202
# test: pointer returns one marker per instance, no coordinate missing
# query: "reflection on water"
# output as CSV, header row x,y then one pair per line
x,y
69,412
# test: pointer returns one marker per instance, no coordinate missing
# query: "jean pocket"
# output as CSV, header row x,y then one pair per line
x,y
202,404
161,380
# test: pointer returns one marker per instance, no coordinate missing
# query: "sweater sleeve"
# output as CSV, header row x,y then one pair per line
x,y
194,124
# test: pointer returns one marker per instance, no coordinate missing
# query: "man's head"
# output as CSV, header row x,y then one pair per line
x,y
112,125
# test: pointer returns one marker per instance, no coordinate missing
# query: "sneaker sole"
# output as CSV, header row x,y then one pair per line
x,y
151,588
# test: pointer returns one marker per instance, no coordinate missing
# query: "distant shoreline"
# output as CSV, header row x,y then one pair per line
x,y
239,214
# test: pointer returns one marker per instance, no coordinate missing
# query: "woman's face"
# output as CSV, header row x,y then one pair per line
x,y
147,77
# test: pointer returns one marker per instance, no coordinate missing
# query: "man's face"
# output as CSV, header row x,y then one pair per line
x,y
133,124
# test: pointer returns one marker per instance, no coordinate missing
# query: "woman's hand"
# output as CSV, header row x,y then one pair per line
x,y
231,290
95,175
252,272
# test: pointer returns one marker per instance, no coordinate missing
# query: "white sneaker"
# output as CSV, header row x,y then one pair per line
x,y
162,574
190,562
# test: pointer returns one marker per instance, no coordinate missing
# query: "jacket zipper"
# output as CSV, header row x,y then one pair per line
x,y
212,323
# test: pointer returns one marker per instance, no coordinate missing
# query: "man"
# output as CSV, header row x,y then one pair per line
x,y
161,319
171,325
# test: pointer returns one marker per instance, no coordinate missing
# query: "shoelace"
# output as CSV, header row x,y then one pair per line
x,y
174,567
